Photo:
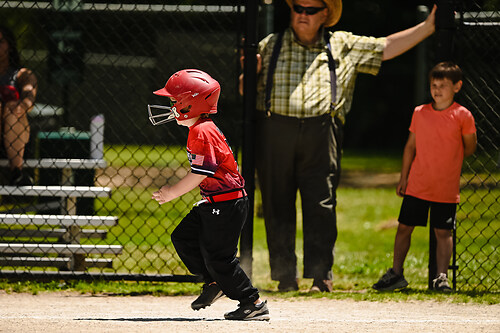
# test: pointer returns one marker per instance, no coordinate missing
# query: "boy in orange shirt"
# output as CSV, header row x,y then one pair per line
x,y
442,133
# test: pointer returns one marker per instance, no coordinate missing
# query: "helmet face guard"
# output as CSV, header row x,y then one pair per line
x,y
158,116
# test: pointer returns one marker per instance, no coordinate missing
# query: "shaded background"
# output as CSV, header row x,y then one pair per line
x,y
124,53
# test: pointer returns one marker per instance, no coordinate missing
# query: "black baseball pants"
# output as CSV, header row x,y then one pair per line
x,y
206,240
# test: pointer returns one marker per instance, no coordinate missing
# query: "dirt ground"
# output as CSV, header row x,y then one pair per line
x,y
71,312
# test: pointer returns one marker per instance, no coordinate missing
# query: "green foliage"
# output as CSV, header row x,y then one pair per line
x,y
372,161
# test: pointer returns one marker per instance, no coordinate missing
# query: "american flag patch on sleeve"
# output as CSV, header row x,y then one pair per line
x,y
197,159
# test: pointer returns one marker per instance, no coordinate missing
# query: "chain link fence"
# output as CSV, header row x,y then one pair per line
x,y
93,155
478,219
95,158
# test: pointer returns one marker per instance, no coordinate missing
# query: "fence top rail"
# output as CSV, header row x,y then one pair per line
x,y
485,15
57,191
60,163
47,5
45,259
62,220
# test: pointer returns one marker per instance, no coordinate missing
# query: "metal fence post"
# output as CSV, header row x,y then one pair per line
x,y
249,102
421,65
445,28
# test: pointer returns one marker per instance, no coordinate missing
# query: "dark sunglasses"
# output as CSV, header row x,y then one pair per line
x,y
308,10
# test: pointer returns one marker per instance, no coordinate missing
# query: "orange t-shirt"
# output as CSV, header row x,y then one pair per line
x,y
435,171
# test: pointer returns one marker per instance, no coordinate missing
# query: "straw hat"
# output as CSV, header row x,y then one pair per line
x,y
334,11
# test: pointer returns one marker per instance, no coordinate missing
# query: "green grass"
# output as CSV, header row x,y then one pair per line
x,y
372,161
134,155
366,222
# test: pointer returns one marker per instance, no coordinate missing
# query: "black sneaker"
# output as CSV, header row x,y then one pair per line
x,y
390,281
209,294
249,312
440,283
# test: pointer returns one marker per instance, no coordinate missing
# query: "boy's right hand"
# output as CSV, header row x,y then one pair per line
x,y
401,188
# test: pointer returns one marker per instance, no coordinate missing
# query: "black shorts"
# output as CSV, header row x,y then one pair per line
x,y
415,212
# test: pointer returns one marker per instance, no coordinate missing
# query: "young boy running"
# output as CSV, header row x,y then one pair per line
x,y
207,237
441,135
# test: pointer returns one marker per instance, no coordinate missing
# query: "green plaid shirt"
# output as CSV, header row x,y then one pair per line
x,y
301,85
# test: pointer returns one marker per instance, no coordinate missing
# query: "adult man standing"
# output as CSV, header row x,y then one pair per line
x,y
305,85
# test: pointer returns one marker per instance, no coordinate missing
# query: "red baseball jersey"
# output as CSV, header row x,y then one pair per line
x,y
209,154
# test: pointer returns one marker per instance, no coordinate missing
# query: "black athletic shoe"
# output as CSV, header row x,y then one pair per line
x,y
249,312
209,294
390,281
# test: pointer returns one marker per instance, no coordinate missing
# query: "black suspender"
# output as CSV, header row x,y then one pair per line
x,y
333,74
274,61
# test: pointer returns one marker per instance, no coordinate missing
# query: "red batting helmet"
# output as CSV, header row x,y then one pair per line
x,y
194,92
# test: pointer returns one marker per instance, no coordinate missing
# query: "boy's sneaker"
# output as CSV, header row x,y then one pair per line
x,y
249,312
209,294
390,281
440,283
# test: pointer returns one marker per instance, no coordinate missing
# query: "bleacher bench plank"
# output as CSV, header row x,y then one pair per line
x,y
28,248
62,220
53,262
60,163
57,191
51,233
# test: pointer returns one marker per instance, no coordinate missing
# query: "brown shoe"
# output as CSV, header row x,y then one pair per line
x,y
288,285
321,286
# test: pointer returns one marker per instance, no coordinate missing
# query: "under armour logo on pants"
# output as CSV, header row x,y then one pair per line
x,y
215,211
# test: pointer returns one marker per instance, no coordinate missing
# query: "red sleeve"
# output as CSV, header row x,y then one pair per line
x,y
468,124
413,121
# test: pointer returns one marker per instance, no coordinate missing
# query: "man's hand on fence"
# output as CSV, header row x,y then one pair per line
x,y
259,68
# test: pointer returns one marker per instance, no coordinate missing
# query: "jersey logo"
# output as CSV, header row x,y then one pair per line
x,y
195,94
215,211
